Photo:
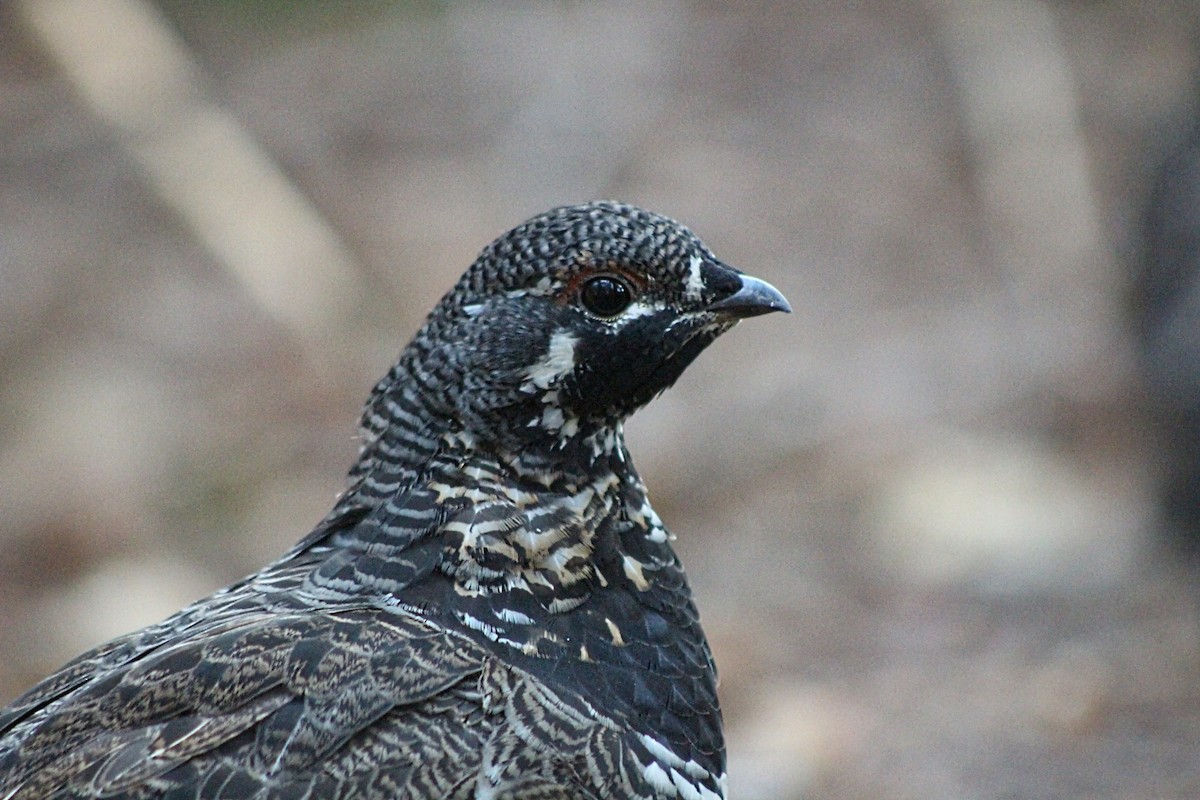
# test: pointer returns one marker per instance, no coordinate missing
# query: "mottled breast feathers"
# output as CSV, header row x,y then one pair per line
x,y
491,610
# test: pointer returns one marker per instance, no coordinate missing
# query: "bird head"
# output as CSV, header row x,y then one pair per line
x,y
567,324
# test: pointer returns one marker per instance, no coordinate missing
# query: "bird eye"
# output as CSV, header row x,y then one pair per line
x,y
606,296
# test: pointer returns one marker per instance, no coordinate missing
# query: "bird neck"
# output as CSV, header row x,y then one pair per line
x,y
525,524
530,547
412,418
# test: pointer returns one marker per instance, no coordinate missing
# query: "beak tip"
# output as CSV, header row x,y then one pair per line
x,y
755,297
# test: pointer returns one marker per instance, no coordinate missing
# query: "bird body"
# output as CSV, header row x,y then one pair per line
x,y
491,610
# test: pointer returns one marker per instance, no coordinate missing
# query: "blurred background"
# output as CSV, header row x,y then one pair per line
x,y
939,520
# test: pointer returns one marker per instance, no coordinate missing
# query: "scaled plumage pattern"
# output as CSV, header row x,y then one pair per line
x,y
491,610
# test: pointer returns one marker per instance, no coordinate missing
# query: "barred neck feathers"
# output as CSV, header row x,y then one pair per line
x,y
539,534
499,524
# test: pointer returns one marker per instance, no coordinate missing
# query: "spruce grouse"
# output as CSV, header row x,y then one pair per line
x,y
491,610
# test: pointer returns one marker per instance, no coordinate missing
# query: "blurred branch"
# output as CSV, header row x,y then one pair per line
x,y
1033,179
136,75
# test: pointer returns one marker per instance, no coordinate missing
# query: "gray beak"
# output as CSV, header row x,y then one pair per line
x,y
753,298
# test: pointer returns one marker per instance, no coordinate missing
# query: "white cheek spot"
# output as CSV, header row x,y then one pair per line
x,y
636,310
558,361
695,284
639,309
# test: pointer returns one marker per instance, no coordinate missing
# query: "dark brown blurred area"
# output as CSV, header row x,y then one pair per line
x,y
919,514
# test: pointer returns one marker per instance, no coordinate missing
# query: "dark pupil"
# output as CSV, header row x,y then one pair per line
x,y
606,296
